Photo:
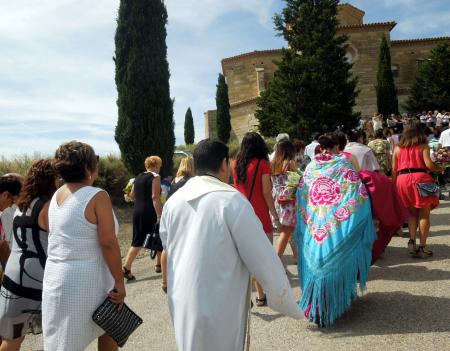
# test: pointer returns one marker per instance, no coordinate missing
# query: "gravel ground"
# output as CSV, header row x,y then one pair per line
x,y
406,306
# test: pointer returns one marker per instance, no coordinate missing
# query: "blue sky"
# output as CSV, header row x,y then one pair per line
x,y
57,73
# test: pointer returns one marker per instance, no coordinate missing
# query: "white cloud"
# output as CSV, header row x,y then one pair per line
x,y
201,14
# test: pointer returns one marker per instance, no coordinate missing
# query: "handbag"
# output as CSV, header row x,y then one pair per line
x,y
153,242
428,189
117,323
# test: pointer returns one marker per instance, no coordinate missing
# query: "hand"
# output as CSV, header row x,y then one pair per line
x,y
117,295
158,219
277,223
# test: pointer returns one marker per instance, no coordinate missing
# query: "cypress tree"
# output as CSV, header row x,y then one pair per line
x,y
386,93
313,89
431,89
145,126
223,122
189,132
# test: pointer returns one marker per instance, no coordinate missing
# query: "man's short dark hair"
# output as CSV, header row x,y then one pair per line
x,y
11,184
208,156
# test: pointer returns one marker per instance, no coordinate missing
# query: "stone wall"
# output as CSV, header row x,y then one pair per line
x,y
364,43
349,15
407,55
210,124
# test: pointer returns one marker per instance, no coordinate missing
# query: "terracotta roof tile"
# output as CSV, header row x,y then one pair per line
x,y
418,41
391,24
252,53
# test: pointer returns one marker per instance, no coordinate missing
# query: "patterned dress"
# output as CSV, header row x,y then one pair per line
x,y
284,205
382,149
21,291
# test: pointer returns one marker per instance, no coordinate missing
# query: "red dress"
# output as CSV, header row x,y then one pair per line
x,y
412,157
258,202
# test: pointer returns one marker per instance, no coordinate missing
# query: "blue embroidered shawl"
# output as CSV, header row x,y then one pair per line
x,y
334,235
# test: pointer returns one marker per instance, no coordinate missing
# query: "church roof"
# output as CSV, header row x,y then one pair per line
x,y
406,42
390,24
252,53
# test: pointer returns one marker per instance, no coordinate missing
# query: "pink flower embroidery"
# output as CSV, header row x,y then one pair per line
x,y
306,218
342,214
325,192
351,175
320,235
352,203
363,191
324,157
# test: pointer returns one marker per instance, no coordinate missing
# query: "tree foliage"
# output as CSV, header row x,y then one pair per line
x,y
189,132
387,101
223,121
431,89
313,89
145,126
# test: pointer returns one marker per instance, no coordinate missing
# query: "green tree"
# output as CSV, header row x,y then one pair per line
x,y
387,101
431,89
189,132
145,126
223,122
313,89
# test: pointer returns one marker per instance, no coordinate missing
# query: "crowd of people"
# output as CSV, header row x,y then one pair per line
x,y
337,201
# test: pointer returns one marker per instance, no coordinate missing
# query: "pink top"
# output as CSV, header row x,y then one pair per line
x,y
410,157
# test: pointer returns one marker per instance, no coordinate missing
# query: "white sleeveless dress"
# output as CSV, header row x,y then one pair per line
x,y
76,279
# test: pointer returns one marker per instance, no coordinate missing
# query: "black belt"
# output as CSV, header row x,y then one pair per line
x,y
412,170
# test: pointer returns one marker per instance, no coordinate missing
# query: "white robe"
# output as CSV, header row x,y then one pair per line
x,y
214,242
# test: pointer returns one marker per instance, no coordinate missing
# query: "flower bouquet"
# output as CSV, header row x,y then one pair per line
x,y
293,182
441,157
127,191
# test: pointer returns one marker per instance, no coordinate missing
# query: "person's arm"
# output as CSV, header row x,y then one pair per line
x,y
267,194
109,245
260,258
156,197
394,164
43,217
132,194
428,162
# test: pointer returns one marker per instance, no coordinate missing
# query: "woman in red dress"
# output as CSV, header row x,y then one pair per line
x,y
251,177
411,163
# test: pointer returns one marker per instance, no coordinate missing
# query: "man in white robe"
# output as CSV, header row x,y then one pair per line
x,y
214,243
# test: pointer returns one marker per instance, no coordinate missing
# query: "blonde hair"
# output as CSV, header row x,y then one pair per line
x,y
186,168
153,162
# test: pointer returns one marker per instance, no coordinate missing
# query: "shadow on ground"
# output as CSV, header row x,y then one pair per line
x,y
393,313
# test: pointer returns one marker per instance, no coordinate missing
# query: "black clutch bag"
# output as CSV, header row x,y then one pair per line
x,y
119,324
153,242
428,189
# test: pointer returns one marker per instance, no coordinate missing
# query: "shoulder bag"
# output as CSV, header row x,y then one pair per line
x,y
428,189
153,242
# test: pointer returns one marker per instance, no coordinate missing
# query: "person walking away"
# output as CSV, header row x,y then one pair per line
x,y
211,258
310,149
282,164
382,151
146,193
10,186
21,290
410,165
83,265
280,137
363,154
251,177
184,173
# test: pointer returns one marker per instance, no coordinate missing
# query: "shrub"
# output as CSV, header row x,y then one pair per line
x,y
18,164
113,176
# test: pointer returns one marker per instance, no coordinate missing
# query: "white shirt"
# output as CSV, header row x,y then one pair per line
x,y
310,149
364,155
444,140
7,217
214,243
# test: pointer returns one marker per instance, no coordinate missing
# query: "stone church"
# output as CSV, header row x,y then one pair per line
x,y
248,74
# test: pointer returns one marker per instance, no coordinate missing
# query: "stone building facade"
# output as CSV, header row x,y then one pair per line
x,y
248,74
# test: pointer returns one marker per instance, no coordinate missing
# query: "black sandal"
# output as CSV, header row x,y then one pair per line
x,y
423,252
412,246
158,268
127,275
261,302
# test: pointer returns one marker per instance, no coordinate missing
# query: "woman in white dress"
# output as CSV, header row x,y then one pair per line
x,y
83,265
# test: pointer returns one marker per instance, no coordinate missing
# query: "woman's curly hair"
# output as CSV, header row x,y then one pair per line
x,y
253,146
39,183
72,159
